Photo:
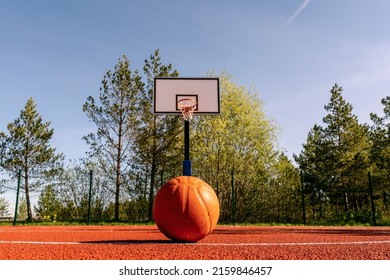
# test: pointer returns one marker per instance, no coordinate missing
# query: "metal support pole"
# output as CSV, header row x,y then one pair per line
x,y
186,140
90,195
233,201
187,166
17,197
303,199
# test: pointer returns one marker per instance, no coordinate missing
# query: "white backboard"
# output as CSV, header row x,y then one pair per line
x,y
168,91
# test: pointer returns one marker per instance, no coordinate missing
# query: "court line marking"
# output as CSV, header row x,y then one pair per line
x,y
39,242
300,243
200,244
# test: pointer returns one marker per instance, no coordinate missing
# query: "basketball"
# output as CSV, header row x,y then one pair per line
x,y
186,209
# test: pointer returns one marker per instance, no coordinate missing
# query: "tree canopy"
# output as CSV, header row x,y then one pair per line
x,y
27,148
115,115
341,175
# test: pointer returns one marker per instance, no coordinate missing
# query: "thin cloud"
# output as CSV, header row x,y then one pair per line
x,y
297,12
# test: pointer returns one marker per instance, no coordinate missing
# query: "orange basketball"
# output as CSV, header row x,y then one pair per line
x,y
186,209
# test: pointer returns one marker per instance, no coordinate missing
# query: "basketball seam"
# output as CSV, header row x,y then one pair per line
x,y
201,200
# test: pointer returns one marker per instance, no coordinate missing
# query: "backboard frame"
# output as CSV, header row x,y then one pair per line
x,y
168,91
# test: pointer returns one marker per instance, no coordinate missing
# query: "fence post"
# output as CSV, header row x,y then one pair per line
x,y
17,197
372,199
303,199
90,196
233,200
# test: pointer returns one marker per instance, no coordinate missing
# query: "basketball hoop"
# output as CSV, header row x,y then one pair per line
x,y
187,107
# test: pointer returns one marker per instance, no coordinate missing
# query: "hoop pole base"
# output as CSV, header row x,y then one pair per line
x,y
187,168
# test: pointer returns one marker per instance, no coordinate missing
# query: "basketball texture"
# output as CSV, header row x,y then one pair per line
x,y
186,209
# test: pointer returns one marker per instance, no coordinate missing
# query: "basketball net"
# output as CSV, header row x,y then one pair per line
x,y
187,107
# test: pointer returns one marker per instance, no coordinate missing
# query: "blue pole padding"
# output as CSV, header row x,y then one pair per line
x,y
187,168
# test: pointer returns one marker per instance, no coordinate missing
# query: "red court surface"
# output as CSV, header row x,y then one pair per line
x,y
224,243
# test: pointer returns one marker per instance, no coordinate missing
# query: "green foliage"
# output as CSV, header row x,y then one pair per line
x,y
27,148
70,200
336,161
48,204
22,209
4,207
156,140
136,210
115,115
242,142
380,137
133,151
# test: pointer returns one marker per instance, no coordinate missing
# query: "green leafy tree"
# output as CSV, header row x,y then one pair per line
x,y
48,204
380,136
283,200
157,136
74,187
22,209
115,116
313,161
349,148
380,151
4,207
335,159
240,142
27,148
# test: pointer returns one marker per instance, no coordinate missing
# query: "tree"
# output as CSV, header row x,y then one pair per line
x,y
4,207
157,136
348,147
335,159
74,187
241,142
3,138
313,161
380,150
284,201
115,116
22,209
48,204
380,136
27,148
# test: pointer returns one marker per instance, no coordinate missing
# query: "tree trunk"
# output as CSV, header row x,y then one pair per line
x,y
151,190
346,202
117,190
118,169
153,171
26,187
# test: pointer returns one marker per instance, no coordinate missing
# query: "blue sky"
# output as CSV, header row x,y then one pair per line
x,y
291,51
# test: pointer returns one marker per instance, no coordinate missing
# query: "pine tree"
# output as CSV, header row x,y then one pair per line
x,y
348,147
156,136
313,162
49,205
380,150
335,158
115,116
380,136
27,148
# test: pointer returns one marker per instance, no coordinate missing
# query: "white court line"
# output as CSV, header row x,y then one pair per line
x,y
200,244
39,242
299,243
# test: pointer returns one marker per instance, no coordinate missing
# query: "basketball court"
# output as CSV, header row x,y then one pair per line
x,y
224,243
191,97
